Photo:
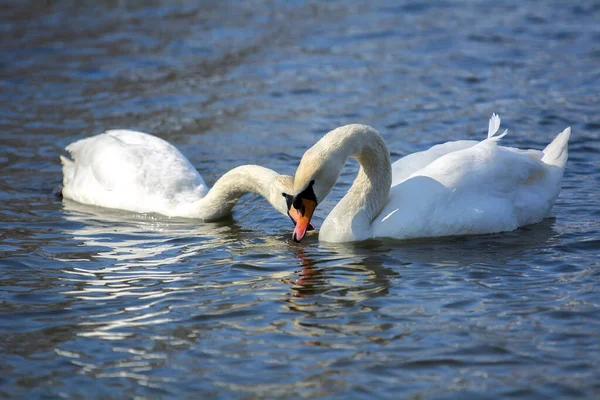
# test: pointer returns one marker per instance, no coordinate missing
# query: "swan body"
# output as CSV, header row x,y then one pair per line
x,y
457,188
138,172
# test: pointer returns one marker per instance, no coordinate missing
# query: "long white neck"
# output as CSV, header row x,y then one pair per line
x,y
352,217
226,192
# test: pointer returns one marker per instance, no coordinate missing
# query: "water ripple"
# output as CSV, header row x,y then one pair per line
x,y
104,303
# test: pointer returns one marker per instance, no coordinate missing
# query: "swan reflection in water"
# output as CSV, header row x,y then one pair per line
x,y
339,288
139,268
352,271
130,263
372,265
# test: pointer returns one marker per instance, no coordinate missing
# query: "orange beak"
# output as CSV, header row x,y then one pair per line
x,y
295,216
302,217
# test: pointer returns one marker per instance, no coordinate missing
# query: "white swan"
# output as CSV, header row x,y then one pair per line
x,y
138,172
456,188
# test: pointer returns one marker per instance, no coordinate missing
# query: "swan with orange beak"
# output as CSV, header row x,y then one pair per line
x,y
464,187
318,172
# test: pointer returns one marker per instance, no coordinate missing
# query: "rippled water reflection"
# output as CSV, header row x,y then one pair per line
x,y
108,304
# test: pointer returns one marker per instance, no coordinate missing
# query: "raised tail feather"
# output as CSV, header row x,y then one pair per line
x,y
557,152
493,127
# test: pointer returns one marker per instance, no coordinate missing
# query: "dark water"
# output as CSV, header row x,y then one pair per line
x,y
106,304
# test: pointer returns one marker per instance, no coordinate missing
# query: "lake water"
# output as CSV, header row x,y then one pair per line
x,y
98,303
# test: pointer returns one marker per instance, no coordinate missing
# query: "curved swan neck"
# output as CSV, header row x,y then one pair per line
x,y
353,215
226,191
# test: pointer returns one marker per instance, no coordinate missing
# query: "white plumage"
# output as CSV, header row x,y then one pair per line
x,y
139,172
456,188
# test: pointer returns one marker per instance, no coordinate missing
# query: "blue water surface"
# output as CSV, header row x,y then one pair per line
x,y
98,303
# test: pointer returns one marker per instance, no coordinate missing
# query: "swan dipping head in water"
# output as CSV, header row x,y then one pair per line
x,y
464,187
320,169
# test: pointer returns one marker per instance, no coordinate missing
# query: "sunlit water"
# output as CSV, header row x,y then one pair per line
x,y
101,303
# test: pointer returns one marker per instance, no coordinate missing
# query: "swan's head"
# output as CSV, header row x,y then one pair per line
x,y
281,200
316,175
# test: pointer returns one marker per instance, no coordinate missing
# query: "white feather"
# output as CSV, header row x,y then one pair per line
x,y
493,126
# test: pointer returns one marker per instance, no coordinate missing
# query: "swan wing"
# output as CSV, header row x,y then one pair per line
x,y
130,170
408,165
482,188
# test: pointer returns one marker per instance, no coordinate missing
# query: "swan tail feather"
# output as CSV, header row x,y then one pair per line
x,y
557,152
494,126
